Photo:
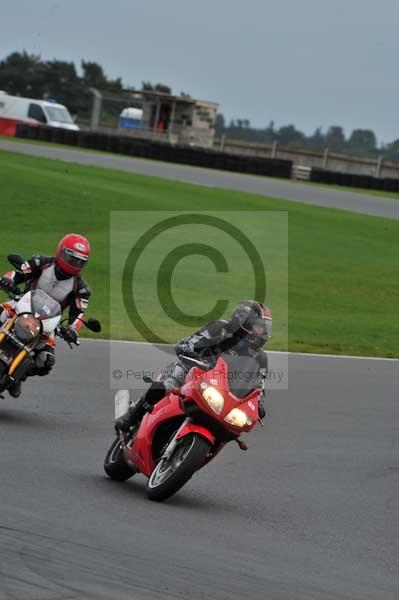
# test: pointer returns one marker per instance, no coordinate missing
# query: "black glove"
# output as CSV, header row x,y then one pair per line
x,y
71,335
187,349
7,284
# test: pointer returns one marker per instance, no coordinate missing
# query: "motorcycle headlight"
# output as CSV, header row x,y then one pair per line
x,y
212,397
27,328
238,418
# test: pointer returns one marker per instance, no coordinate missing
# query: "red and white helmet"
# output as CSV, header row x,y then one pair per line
x,y
72,253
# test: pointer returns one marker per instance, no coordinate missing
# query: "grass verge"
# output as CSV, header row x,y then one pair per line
x,y
343,285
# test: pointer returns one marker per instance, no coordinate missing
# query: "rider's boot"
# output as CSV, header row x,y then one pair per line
x,y
15,389
145,404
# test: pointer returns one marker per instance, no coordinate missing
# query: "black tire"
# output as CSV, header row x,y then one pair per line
x,y
169,476
115,465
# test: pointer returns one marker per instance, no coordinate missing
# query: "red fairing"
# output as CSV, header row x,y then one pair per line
x,y
9,308
218,377
193,428
72,253
141,452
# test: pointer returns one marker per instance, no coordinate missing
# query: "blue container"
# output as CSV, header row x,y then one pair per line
x,y
130,118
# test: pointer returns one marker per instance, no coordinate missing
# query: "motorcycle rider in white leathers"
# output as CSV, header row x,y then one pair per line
x,y
58,276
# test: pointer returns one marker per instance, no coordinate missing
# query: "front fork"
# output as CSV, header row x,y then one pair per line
x,y
174,442
18,370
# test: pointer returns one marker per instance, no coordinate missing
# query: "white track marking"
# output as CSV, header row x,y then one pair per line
x,y
305,354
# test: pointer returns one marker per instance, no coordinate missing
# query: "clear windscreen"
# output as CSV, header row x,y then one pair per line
x,y
43,306
243,374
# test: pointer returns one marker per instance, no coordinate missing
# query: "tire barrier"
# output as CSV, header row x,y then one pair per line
x,y
200,157
367,182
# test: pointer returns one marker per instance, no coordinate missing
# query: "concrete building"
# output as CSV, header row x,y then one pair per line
x,y
179,119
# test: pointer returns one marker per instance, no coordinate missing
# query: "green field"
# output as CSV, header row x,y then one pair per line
x,y
342,287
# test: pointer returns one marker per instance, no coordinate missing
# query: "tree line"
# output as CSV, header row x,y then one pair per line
x,y
28,75
362,142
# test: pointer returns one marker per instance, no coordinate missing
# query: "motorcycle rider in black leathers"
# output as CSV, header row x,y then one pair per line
x,y
58,276
244,334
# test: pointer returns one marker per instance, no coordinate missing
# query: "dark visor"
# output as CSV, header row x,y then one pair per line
x,y
75,259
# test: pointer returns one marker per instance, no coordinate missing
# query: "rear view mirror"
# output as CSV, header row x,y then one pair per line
x,y
93,325
16,260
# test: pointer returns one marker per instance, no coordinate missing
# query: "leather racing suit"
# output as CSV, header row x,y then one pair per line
x,y
41,272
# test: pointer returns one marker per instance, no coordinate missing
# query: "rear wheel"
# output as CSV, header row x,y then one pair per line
x,y
170,475
115,465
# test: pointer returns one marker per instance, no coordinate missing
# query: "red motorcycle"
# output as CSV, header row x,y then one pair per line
x,y
186,430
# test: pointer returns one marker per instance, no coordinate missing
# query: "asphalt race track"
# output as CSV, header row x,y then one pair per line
x,y
276,188
309,512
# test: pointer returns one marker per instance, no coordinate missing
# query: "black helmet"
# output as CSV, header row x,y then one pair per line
x,y
252,321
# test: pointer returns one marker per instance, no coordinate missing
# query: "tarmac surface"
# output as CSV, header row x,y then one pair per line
x,y
309,512
276,188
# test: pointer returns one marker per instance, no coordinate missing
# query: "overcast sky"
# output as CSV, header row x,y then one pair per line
x,y
308,62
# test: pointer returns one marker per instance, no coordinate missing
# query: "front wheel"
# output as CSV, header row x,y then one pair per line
x,y
170,475
115,465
